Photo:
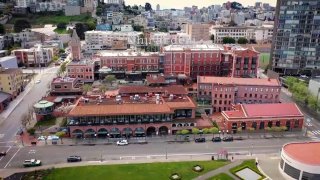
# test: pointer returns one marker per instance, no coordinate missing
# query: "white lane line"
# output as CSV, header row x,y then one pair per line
x,y
6,152
11,158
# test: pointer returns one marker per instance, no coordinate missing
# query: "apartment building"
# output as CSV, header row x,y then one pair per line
x,y
198,31
163,38
82,69
11,81
101,40
210,60
34,57
260,34
296,43
222,93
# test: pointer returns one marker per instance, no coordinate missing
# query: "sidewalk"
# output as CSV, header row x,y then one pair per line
x,y
224,169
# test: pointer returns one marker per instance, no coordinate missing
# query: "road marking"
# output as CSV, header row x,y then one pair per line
x,y
6,152
11,158
32,151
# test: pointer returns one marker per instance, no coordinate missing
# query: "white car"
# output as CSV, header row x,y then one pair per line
x,y
122,142
38,81
53,137
41,138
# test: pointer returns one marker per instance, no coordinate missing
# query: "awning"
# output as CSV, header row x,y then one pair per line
x,y
127,130
90,132
139,131
115,131
102,131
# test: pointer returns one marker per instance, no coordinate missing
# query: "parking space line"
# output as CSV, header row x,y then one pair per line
x,y
6,152
11,158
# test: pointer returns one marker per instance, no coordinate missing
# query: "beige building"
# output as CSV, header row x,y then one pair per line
x,y
11,81
198,32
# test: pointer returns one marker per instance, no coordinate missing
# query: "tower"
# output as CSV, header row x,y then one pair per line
x,y
75,46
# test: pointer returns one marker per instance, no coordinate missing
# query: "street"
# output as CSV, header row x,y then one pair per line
x,y
51,154
11,124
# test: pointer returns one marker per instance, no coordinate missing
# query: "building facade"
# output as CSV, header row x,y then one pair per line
x,y
11,81
66,86
223,92
8,62
198,32
132,115
210,60
296,44
263,116
34,57
83,70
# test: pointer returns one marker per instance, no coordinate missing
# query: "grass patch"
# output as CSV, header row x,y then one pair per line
x,y
221,176
154,171
47,121
251,164
264,60
53,19
61,31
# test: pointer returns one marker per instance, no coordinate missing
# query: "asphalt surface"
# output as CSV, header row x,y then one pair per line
x,y
51,154
10,126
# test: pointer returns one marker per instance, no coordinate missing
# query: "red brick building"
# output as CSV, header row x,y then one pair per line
x,y
127,63
210,60
221,93
261,116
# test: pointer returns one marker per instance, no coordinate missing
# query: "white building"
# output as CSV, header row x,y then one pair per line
x,y
113,1
50,6
261,34
23,3
23,36
139,20
123,28
162,38
99,40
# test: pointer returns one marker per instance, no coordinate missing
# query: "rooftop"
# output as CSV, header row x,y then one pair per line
x,y
265,110
125,53
155,78
61,80
305,152
239,81
10,71
195,47
4,96
174,89
7,58
43,104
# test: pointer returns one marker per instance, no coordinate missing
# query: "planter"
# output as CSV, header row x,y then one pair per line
x,y
197,168
175,176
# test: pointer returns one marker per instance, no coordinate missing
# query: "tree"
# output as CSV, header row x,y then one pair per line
x,y
239,130
137,28
61,25
212,37
213,130
99,11
228,40
20,25
86,88
205,131
312,102
242,40
61,134
148,7
80,29
103,88
63,67
195,131
91,25
61,51
185,132
109,79
55,58
2,29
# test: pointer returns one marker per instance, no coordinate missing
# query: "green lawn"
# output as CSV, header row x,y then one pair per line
x,y
50,121
54,19
221,176
247,164
264,60
61,31
154,171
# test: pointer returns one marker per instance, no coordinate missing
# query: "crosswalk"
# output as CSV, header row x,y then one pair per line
x,y
315,132
309,125
314,135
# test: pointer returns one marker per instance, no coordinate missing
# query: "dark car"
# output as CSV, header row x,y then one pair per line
x,y
198,140
3,153
227,139
74,159
216,139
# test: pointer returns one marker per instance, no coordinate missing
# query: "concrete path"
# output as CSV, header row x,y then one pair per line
x,y
269,167
224,169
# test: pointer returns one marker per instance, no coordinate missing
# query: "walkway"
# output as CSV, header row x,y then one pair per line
x,y
224,169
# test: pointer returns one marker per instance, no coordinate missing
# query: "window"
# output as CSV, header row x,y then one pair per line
x,y
225,96
220,95
245,94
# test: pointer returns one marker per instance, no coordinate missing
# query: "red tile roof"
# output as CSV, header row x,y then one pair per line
x,y
265,110
278,110
152,79
121,109
297,151
239,81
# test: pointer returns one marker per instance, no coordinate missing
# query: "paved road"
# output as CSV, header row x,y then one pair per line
x,y
51,154
10,125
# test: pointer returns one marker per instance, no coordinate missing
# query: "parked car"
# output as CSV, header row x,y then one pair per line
x,y
3,153
216,139
74,159
53,137
122,142
227,139
32,163
38,81
42,138
198,140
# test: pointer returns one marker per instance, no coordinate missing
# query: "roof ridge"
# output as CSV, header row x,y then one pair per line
x,y
244,111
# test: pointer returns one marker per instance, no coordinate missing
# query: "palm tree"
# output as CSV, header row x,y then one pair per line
x,y
86,88
103,89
